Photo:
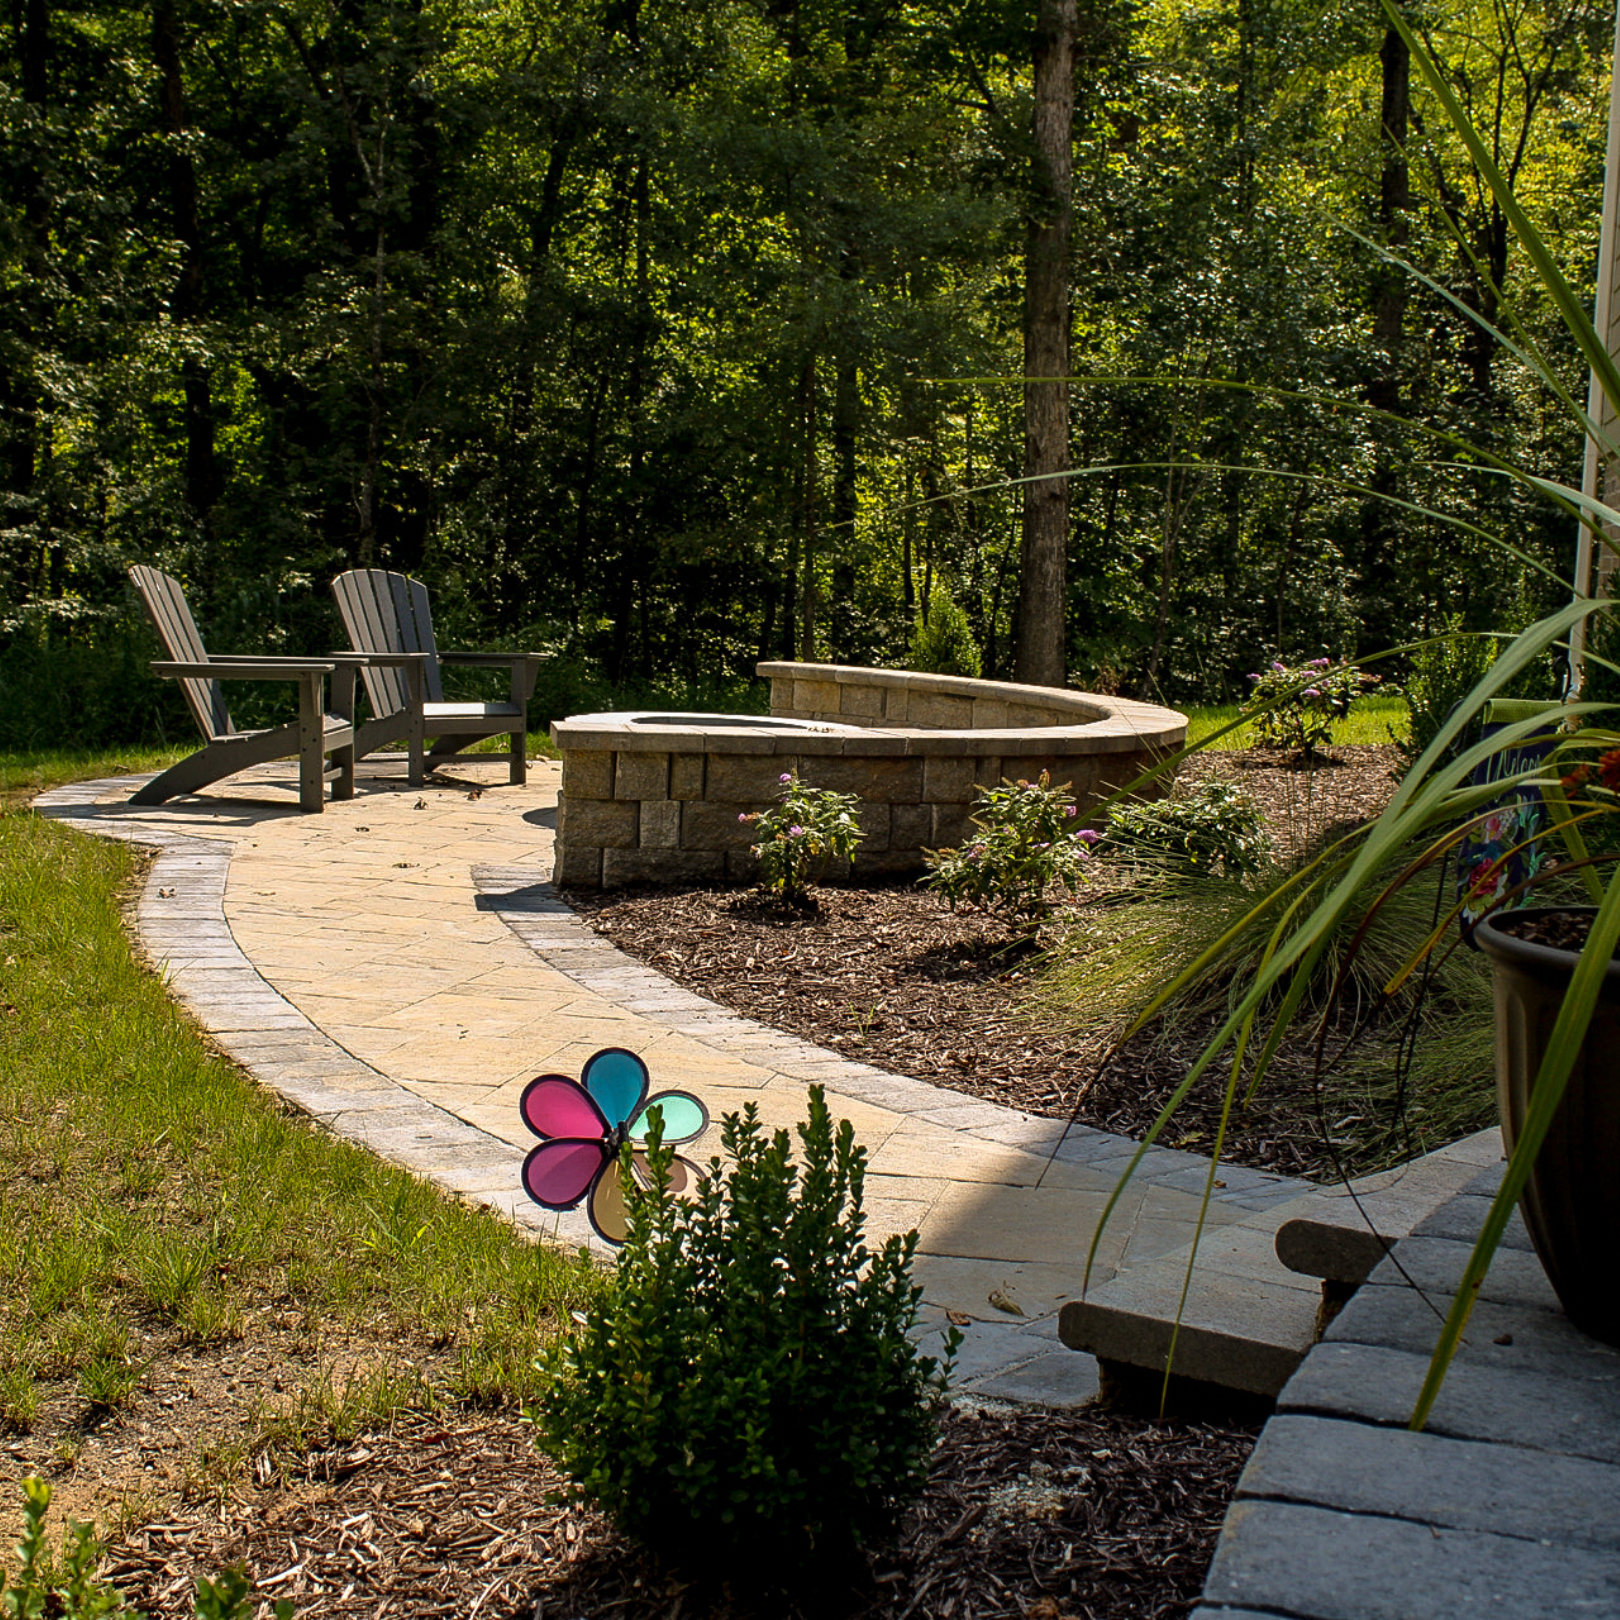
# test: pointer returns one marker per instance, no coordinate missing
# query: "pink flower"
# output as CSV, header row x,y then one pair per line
x,y
1281,669
742,815
1088,835
794,832
786,776
1311,691
1071,811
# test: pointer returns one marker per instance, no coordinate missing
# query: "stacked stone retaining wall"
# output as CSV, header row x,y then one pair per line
x,y
660,798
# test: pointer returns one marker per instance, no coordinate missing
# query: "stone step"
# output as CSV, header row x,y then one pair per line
x,y
1255,1301
1342,1237
1245,1321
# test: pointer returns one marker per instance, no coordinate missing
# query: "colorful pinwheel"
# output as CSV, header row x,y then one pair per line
x,y
582,1125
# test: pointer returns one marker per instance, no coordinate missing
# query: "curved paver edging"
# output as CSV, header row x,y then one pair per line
x,y
180,923
650,796
1508,1503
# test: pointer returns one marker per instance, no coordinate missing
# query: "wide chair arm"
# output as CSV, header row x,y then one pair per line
x,y
245,669
525,667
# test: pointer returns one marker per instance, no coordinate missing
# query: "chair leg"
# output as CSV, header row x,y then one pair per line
x,y
520,759
311,740
343,758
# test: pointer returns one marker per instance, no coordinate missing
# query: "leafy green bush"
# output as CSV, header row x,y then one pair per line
x,y
1442,674
748,1394
1294,705
941,640
1213,824
1027,841
809,829
69,1589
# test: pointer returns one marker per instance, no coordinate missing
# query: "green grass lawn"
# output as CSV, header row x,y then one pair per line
x,y
160,1207
1370,720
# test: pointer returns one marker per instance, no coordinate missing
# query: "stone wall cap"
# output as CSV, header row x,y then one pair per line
x,y
1148,719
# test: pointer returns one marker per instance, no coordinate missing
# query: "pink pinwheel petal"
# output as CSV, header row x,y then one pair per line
x,y
554,1105
557,1174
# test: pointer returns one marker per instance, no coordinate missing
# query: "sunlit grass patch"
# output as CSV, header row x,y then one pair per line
x,y
1371,721
154,1199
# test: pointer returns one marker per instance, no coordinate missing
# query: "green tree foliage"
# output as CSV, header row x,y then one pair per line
x,y
632,323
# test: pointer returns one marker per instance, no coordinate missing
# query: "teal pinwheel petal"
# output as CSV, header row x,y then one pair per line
x,y
684,1117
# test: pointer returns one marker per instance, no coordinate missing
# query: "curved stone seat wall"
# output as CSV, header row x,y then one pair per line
x,y
655,797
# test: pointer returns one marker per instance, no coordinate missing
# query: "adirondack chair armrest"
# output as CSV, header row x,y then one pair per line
x,y
494,660
525,667
245,669
379,660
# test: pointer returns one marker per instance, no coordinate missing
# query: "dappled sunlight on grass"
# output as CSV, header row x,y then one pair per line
x,y
1370,722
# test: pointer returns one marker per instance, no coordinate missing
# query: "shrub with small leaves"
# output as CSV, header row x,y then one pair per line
x,y
1442,673
810,829
1213,824
748,1394
942,640
1294,705
68,1589
1028,839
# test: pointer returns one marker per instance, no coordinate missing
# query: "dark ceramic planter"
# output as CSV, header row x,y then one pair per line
x,y
1571,1203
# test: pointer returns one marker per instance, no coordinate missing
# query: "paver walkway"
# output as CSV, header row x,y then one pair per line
x,y
400,967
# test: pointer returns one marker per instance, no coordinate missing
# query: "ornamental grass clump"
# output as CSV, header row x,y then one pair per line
x,y
1293,706
748,1398
1212,825
809,830
1027,841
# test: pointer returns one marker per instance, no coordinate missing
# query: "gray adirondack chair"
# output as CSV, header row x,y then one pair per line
x,y
316,732
388,614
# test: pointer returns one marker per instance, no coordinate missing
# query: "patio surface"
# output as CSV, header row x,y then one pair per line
x,y
399,967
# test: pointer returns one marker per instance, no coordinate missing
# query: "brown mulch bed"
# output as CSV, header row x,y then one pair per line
x,y
1036,1514
889,975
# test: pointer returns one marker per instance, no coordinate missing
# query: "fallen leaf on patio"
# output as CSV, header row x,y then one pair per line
x,y
421,804
1003,1301
958,1318
165,894
477,793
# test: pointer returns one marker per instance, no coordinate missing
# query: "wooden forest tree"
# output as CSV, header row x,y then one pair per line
x,y
1041,628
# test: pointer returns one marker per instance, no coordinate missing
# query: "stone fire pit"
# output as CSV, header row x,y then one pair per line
x,y
651,797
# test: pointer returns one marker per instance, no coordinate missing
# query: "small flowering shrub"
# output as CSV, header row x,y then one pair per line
x,y
1213,825
1294,705
1027,841
808,828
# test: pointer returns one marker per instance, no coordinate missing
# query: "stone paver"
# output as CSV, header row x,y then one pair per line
x,y
1508,1504
400,967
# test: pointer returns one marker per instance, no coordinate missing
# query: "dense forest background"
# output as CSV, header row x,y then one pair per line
x,y
665,336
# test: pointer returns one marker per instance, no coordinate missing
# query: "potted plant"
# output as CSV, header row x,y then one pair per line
x,y
1571,1198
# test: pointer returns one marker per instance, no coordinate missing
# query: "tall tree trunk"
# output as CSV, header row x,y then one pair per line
x,y
807,618
202,472
1041,629
1379,524
23,501
845,507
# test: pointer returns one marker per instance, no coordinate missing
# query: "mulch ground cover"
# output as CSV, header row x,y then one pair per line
x,y
891,976
1033,1514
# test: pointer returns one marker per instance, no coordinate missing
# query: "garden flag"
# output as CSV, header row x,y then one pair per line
x,y
582,1124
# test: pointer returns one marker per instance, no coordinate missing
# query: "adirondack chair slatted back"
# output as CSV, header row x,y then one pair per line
x,y
171,618
387,612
